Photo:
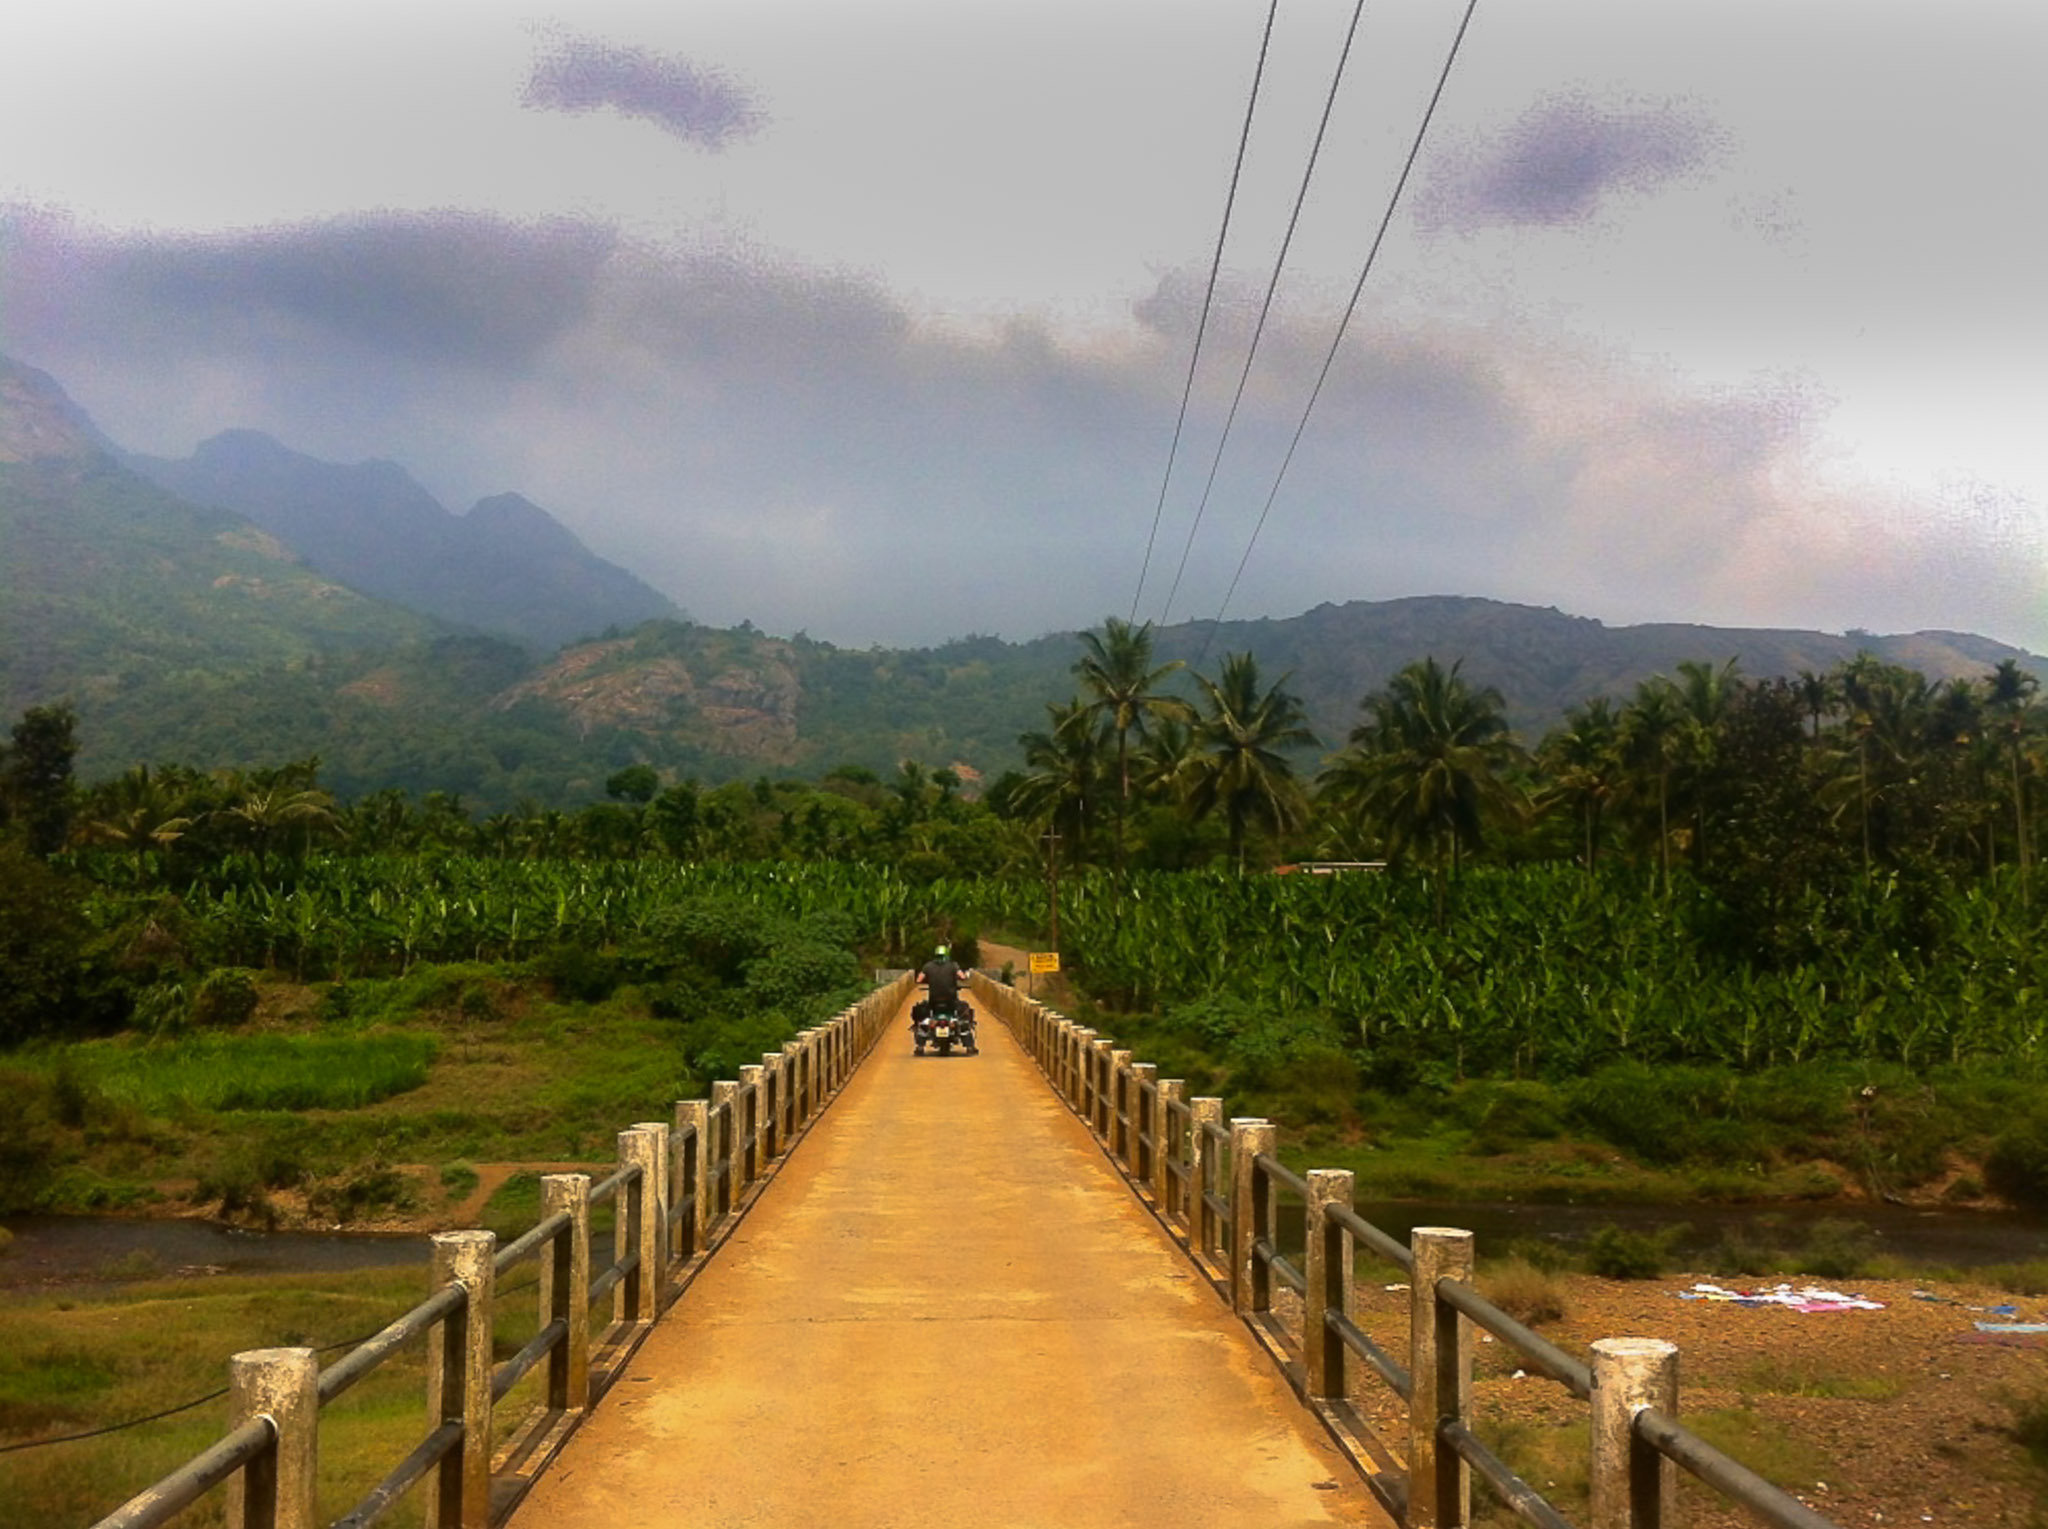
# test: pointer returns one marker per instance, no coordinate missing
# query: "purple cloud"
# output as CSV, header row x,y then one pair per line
x,y
698,105
1562,159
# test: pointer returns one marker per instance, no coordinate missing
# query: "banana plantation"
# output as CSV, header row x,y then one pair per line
x,y
1714,870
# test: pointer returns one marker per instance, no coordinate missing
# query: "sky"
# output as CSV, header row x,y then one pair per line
x,y
873,320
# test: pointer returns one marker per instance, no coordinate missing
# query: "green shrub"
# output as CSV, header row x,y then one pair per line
x,y
30,1140
1540,1253
1506,1116
225,1000
367,1190
1613,1253
578,973
2017,1166
1837,1250
799,971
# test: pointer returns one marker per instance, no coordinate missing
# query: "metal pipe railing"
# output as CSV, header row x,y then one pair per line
x,y
1216,1188
678,1188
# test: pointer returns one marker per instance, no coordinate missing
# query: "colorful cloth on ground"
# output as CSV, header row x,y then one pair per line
x,y
1808,1298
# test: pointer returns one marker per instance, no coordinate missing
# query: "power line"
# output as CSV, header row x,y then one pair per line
x,y
1244,137
1266,307
1414,150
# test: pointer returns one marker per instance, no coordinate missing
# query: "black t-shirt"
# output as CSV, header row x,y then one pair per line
x,y
942,981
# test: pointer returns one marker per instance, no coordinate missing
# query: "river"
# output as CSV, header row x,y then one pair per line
x,y
73,1250
70,1250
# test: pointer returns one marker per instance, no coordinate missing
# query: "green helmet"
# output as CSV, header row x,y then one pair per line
x,y
944,952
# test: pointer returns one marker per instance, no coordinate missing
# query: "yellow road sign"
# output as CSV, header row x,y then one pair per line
x,y
1044,961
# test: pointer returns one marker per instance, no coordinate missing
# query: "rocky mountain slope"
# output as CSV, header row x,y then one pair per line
x,y
507,567
190,633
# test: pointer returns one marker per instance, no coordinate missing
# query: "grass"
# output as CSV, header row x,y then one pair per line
x,y
1802,1375
268,1071
332,1104
70,1364
1529,1294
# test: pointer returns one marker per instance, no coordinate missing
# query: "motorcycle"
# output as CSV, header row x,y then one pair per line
x,y
942,1028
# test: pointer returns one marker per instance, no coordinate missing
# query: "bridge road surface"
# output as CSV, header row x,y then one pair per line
x,y
948,1309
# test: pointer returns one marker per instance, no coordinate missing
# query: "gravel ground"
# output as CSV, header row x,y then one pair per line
x,y
1898,1416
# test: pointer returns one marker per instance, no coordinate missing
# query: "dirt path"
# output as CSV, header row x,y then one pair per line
x,y
947,1310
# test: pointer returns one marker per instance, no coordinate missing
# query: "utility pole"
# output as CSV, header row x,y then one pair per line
x,y
1052,873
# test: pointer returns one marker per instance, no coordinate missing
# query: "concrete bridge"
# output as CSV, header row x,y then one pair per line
x,y
1037,1286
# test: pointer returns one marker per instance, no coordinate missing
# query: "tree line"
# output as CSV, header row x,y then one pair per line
x,y
1868,768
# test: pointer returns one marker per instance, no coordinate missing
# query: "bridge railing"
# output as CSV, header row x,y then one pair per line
x,y
677,1192
1220,1190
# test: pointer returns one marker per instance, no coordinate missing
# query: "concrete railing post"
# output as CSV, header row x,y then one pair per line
x,y
1440,1372
750,1125
1201,1169
1102,1086
1141,1089
771,1107
1329,1281
565,1289
1084,1075
276,1489
1633,1485
636,1229
1167,1145
690,1174
1251,1202
812,1094
656,1212
458,1495
725,1146
1121,1114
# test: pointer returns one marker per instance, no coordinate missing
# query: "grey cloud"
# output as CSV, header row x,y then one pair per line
x,y
772,441
699,105
1562,160
441,288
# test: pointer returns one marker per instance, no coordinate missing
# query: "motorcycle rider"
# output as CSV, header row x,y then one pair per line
x,y
940,978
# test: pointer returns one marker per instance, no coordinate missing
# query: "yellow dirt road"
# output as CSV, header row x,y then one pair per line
x,y
947,1309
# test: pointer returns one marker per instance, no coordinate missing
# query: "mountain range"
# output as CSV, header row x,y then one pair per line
x,y
251,604
507,567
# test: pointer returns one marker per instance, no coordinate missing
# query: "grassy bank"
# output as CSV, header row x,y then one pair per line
x,y
358,1103
76,1362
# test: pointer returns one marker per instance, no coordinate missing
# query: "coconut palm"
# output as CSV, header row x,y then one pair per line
x,y
2009,695
1426,766
1064,783
1583,760
1237,765
1651,726
1121,684
139,812
1704,693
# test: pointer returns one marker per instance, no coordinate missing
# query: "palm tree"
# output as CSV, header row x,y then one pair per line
x,y
2009,694
1121,683
1704,693
1651,724
1426,764
1236,765
139,812
270,814
1890,716
1065,774
1583,758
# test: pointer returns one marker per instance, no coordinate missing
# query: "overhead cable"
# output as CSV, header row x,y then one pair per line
x,y
1244,137
1266,307
1414,150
